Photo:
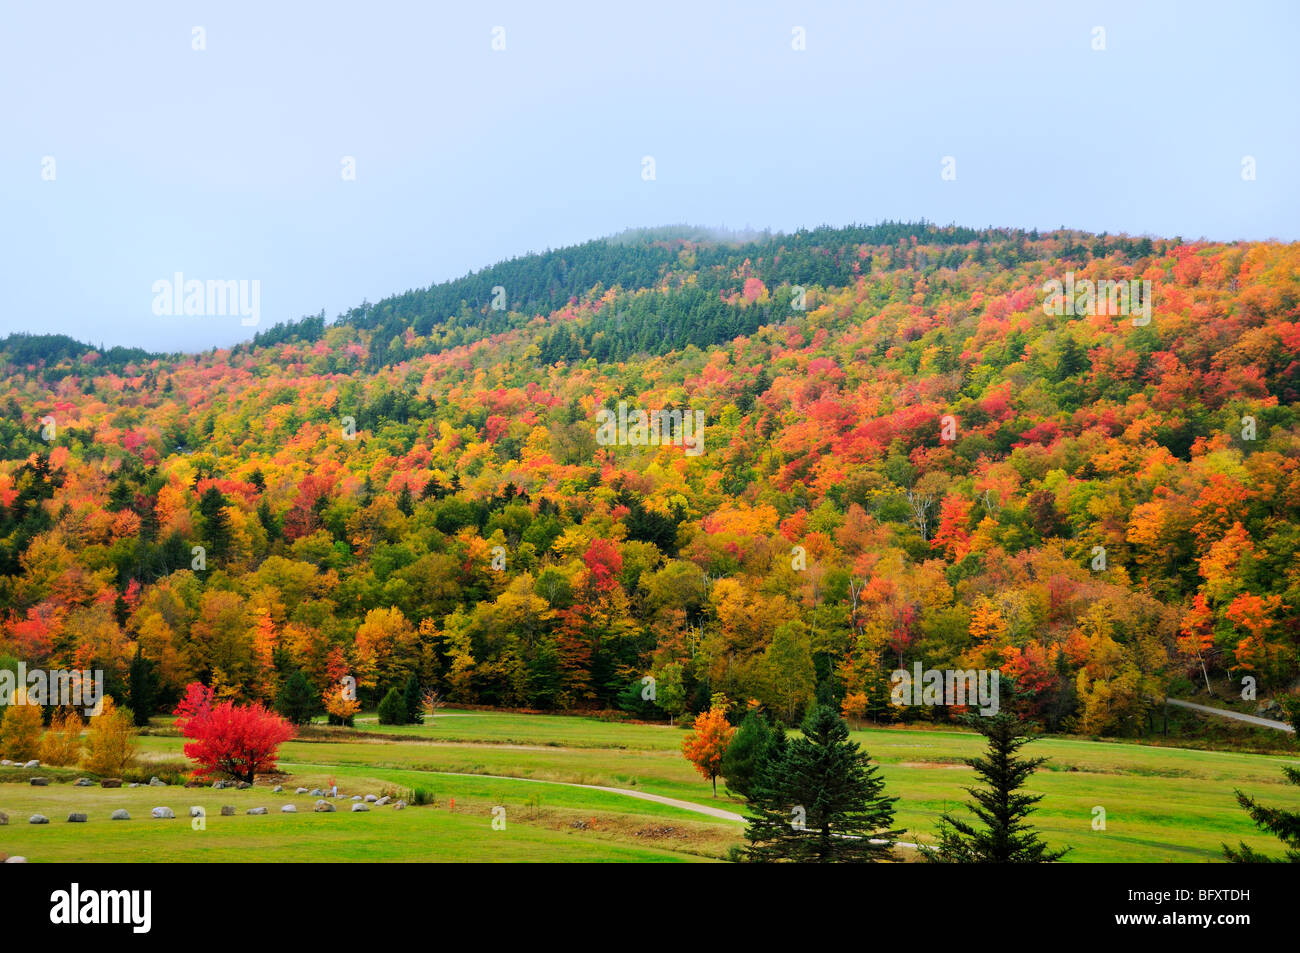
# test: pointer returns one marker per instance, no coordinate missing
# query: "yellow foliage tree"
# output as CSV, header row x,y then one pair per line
x,y
20,729
110,746
62,743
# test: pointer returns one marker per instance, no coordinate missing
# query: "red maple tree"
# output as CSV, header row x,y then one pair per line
x,y
236,740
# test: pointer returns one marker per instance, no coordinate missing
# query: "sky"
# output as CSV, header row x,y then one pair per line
x,y
145,139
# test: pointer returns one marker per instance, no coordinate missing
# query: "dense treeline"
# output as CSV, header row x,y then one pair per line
x,y
920,464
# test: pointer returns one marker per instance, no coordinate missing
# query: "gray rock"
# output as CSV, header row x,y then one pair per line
x,y
84,783
324,807
5,763
119,815
4,818
227,810
242,785
15,860
197,811
370,798
256,810
155,783
277,789
317,792
399,805
76,818
41,782
32,764
163,813
356,797
111,783
134,784
38,819
288,809
359,806
382,801
300,791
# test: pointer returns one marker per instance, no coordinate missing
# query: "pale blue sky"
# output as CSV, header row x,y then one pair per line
x,y
225,163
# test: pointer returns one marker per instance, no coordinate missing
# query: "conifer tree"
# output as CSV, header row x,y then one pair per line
x,y
1285,825
1002,808
820,799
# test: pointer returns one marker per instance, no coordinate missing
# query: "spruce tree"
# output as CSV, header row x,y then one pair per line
x,y
414,702
1001,807
747,754
143,689
297,699
820,799
1285,825
392,709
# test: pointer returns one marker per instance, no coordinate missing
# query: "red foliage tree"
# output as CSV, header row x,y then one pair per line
x,y
236,740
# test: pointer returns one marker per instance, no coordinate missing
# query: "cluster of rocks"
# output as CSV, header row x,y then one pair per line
x,y
6,763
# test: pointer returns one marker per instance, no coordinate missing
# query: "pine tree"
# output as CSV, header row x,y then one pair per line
x,y
392,709
747,754
143,688
297,700
820,799
414,702
1284,825
1005,838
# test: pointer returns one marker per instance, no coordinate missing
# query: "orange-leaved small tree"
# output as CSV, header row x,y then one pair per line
x,y
705,746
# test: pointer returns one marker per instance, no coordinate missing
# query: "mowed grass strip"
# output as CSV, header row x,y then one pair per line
x,y
1161,804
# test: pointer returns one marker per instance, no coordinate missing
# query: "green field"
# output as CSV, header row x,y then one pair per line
x,y
1161,804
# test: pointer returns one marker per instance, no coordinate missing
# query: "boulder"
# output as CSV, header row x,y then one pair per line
x,y
111,783
76,818
300,791
242,785
192,783
324,807
288,809
38,819
40,782
4,818
32,764
356,797
277,789
84,783
227,810
134,784
399,805
371,798
163,813
317,792
119,815
359,806
5,763
256,810
15,859
382,801
155,783
197,811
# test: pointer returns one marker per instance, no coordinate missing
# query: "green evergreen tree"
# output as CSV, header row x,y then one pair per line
x,y
747,754
1284,825
143,688
1006,837
297,700
413,701
820,799
392,709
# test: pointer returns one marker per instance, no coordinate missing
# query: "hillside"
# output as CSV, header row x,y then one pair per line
x,y
920,464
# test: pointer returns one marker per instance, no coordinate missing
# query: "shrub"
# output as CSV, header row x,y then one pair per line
x,y
20,729
392,710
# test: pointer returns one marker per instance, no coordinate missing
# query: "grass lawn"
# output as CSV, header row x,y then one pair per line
x,y
1160,803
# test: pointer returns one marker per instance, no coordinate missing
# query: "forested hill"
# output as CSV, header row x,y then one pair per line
x,y
912,450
